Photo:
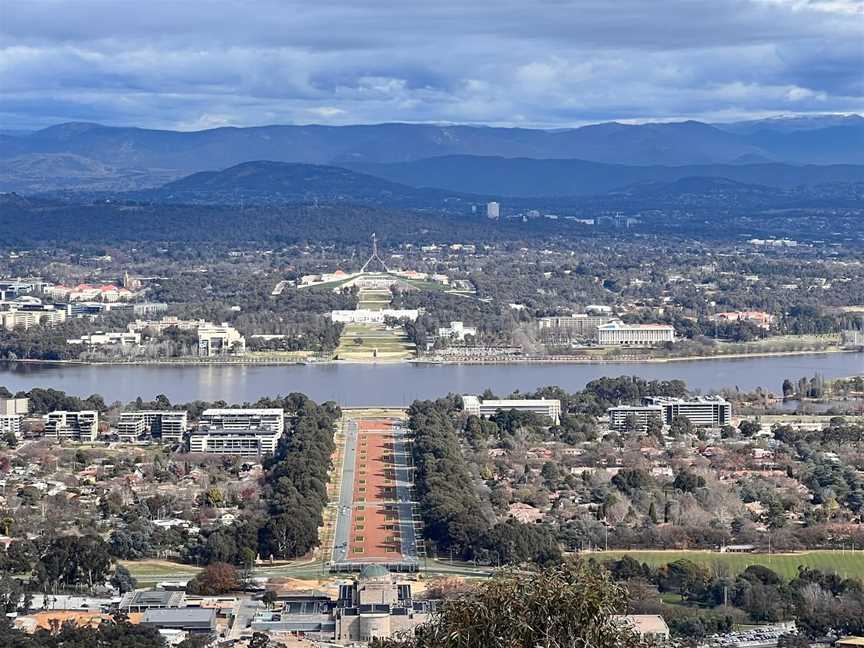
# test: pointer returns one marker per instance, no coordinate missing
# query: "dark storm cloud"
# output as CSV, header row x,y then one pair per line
x,y
192,64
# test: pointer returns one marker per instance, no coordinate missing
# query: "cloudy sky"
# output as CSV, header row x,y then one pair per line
x,y
192,64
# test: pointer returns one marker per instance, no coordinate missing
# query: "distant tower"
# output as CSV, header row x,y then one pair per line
x,y
374,256
493,210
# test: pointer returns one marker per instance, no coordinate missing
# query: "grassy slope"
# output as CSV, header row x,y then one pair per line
x,y
847,564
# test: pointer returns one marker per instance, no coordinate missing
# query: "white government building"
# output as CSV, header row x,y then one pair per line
x,y
219,339
245,432
618,333
369,316
550,407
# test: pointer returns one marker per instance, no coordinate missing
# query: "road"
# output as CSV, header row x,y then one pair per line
x,y
404,497
346,494
243,613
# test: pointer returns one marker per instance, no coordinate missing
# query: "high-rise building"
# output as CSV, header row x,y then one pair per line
x,y
493,210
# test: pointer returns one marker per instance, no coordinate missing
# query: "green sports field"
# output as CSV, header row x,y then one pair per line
x,y
848,564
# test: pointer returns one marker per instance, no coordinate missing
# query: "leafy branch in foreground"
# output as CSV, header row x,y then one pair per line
x,y
571,605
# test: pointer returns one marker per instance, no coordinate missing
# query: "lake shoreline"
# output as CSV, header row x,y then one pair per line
x,y
535,360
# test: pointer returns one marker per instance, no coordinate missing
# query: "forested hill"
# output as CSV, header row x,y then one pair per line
x,y
293,182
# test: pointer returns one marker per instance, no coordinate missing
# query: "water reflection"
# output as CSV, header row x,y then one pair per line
x,y
398,384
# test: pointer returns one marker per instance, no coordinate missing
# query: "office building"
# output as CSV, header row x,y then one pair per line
x,y
493,210
621,417
578,325
617,333
165,426
158,327
246,432
121,338
219,339
11,288
550,407
75,426
708,411
26,312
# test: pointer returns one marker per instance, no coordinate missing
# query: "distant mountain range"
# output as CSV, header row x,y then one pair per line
x,y
83,156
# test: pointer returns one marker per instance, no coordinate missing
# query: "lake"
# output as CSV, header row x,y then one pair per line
x,y
399,384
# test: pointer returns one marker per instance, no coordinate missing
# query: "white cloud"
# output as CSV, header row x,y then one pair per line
x,y
527,62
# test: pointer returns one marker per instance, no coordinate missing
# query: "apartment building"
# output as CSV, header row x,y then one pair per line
x,y
76,426
245,432
550,407
163,425
10,406
11,424
617,333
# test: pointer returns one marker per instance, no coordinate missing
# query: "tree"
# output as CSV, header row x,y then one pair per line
x,y
749,428
550,473
571,604
260,640
269,599
217,578
123,580
654,427
680,426
688,482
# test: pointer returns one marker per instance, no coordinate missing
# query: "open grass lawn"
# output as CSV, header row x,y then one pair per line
x,y
149,572
389,344
847,564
